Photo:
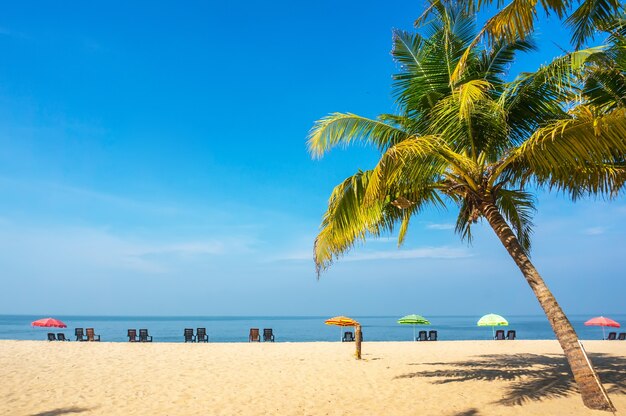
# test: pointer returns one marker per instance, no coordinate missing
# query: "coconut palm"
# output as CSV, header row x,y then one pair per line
x,y
481,144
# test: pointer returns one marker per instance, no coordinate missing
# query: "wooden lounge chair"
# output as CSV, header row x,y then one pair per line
x,y
432,335
51,336
201,335
421,336
254,335
143,336
612,336
510,335
189,336
80,336
268,335
61,337
499,335
91,336
132,335
622,336
348,336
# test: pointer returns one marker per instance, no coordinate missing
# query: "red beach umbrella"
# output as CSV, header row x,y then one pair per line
x,y
49,322
602,321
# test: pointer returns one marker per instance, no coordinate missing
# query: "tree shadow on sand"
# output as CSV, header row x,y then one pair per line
x,y
63,411
532,376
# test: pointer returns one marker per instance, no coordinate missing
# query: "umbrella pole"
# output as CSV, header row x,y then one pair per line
x,y
413,332
603,335
493,332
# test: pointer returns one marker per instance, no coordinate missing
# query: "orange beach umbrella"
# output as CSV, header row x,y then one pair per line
x,y
341,321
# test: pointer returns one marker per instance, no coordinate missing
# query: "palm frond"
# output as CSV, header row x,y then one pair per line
x,y
349,219
496,61
518,207
583,155
343,129
535,99
469,93
589,16
412,164
512,23
346,220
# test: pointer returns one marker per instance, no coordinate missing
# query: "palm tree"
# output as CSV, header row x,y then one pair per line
x,y
480,143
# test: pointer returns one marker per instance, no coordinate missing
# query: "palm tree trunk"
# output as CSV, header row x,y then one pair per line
x,y
593,394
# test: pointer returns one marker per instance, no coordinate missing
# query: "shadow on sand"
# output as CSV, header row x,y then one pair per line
x,y
532,376
63,411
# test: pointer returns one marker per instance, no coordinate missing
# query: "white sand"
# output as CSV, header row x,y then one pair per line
x,y
395,378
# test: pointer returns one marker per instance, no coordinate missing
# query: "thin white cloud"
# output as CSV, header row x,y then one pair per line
x,y
385,240
594,231
443,226
442,252
78,193
97,249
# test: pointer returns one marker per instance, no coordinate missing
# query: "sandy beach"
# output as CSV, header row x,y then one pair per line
x,y
394,378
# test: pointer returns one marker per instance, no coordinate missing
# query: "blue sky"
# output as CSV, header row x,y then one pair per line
x,y
153,161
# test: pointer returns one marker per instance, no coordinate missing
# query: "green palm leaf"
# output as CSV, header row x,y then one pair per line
x,y
343,129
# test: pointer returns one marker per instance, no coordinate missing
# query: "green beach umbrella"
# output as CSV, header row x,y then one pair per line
x,y
492,320
413,320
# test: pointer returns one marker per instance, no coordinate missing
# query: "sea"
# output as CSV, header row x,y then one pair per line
x,y
290,328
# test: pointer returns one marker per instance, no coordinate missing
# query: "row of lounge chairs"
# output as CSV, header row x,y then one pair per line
x,y
86,335
421,336
58,337
268,335
142,337
255,336
200,336
510,335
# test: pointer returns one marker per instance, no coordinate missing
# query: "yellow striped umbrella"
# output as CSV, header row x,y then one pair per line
x,y
341,321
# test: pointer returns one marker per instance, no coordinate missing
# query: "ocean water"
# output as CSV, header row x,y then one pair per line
x,y
288,328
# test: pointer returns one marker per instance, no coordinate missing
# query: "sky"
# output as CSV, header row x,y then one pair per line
x,y
153,161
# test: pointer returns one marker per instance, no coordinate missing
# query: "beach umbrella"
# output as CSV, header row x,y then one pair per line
x,y
49,323
413,320
602,321
341,321
492,320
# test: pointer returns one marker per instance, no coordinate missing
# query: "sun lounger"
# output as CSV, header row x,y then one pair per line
x,y
510,335
499,335
348,336
91,336
143,336
254,335
189,336
80,336
622,336
432,335
421,336
201,335
132,335
612,336
51,336
61,337
268,335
